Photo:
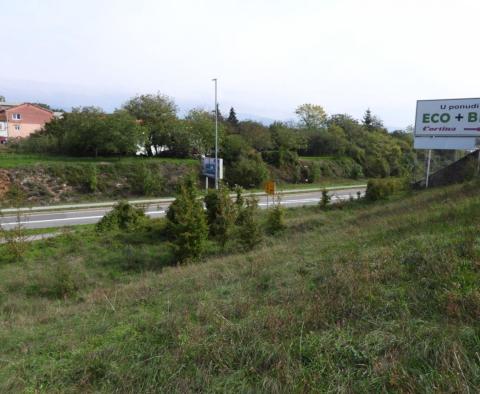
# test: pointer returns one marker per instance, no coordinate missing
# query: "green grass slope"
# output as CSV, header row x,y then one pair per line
x,y
15,160
368,298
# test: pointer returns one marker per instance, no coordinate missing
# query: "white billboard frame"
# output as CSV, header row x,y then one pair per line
x,y
446,133
446,143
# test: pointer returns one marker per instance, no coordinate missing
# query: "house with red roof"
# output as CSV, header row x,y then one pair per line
x,y
21,120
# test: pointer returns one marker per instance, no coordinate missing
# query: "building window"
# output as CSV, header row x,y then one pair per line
x,y
17,127
16,117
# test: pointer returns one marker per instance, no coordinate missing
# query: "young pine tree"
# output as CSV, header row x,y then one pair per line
x,y
325,200
186,223
276,218
249,229
232,118
239,202
221,214
368,120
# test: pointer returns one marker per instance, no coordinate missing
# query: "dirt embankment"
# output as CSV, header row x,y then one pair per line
x,y
62,183
5,183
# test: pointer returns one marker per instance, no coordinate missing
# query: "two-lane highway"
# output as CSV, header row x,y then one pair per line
x,y
75,217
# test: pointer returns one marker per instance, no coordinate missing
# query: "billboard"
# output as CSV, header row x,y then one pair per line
x,y
447,124
208,167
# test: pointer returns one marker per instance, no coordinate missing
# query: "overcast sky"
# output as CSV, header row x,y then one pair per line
x,y
269,56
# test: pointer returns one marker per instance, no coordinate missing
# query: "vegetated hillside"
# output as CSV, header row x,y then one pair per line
x,y
69,181
50,179
252,152
368,298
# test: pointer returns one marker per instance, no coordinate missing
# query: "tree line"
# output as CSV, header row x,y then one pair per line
x,y
151,124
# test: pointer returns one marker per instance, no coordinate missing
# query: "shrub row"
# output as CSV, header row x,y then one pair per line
x,y
381,189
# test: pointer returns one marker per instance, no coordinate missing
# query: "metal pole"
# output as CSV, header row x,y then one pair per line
x,y
428,167
478,162
216,135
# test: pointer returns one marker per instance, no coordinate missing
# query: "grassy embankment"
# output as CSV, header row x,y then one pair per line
x,y
15,160
371,298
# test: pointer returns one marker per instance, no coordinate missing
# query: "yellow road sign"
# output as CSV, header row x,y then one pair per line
x,y
270,187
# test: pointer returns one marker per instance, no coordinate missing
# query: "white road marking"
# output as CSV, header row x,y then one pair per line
x,y
65,219
80,218
105,210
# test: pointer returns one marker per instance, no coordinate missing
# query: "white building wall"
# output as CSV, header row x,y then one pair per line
x,y
3,129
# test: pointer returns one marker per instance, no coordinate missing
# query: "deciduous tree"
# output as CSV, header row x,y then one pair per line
x,y
158,116
311,116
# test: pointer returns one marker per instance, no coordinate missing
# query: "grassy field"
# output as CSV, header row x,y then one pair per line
x,y
14,160
368,298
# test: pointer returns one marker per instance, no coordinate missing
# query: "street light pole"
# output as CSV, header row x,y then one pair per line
x,y
216,135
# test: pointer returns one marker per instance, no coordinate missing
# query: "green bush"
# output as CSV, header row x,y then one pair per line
x,y
381,189
280,158
92,178
275,219
338,167
221,214
146,182
15,239
247,172
123,216
325,200
58,280
87,131
249,229
187,223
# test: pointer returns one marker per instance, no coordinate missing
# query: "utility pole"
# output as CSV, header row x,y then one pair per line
x,y
216,135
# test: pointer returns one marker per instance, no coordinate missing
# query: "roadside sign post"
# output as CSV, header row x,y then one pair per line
x,y
270,190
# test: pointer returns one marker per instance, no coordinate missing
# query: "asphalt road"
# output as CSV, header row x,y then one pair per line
x,y
71,217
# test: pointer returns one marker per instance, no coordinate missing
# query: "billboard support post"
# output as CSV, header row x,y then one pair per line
x,y
478,162
428,167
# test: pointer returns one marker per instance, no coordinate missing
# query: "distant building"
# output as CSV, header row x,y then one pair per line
x,y
21,120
